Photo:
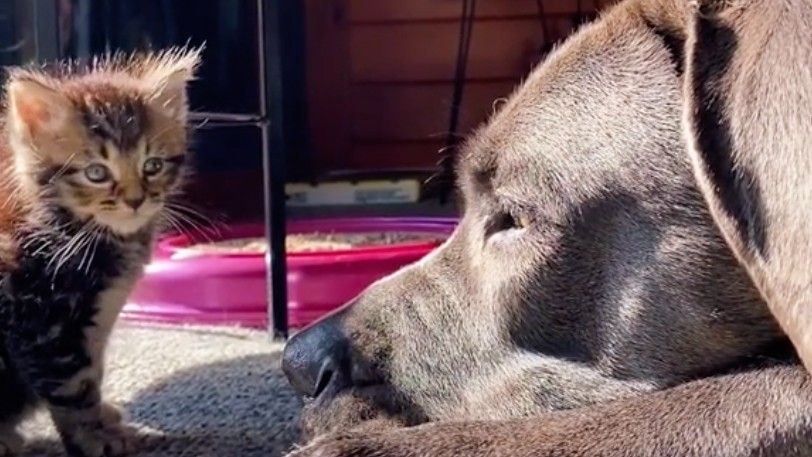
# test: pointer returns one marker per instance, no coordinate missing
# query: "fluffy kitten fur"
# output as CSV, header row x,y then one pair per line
x,y
92,157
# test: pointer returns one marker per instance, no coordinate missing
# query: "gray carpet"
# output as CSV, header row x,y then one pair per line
x,y
193,392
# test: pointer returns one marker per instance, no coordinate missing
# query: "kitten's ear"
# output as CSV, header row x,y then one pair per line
x,y
37,109
167,75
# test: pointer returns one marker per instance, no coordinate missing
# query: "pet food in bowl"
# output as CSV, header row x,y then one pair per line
x,y
311,242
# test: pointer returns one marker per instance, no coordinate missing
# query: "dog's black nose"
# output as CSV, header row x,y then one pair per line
x,y
314,357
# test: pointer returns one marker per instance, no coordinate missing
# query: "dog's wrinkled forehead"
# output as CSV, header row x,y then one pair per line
x,y
579,122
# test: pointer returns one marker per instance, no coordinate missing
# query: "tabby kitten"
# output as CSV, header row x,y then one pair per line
x,y
93,157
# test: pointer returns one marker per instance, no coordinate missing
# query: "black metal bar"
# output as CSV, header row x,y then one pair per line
x,y
463,50
273,148
275,233
283,120
445,178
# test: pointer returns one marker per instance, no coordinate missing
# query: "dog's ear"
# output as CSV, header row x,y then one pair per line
x,y
748,118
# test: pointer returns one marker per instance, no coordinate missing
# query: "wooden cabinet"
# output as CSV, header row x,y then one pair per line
x,y
380,74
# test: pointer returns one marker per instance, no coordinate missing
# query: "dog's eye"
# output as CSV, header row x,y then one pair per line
x,y
522,221
509,221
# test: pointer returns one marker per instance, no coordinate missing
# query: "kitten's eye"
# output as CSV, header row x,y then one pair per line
x,y
153,166
97,173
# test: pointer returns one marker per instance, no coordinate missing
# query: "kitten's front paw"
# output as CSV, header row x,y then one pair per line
x,y
106,441
110,414
11,443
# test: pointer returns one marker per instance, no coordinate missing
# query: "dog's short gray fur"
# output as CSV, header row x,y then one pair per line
x,y
749,122
619,322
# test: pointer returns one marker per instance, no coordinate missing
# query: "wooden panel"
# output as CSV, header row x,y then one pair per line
x,y
393,156
379,73
217,202
327,86
421,52
412,10
403,112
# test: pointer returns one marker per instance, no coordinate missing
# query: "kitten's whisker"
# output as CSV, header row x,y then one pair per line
x,y
214,225
159,134
42,247
56,261
85,246
192,217
37,237
192,224
166,221
60,250
68,250
201,124
61,171
81,247
174,224
184,221
64,253
96,235
189,210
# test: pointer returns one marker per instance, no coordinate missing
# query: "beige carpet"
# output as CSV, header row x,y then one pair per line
x,y
193,392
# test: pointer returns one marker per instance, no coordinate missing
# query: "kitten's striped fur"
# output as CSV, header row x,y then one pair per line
x,y
91,158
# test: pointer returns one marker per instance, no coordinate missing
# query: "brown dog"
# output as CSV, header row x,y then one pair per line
x,y
588,305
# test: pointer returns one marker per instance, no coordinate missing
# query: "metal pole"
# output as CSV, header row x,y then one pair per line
x,y
274,149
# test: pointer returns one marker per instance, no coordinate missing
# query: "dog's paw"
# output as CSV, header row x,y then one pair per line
x,y
11,443
356,444
334,448
111,440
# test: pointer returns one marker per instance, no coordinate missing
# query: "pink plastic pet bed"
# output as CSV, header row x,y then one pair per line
x,y
230,288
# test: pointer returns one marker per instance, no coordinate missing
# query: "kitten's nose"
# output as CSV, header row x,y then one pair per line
x,y
135,203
